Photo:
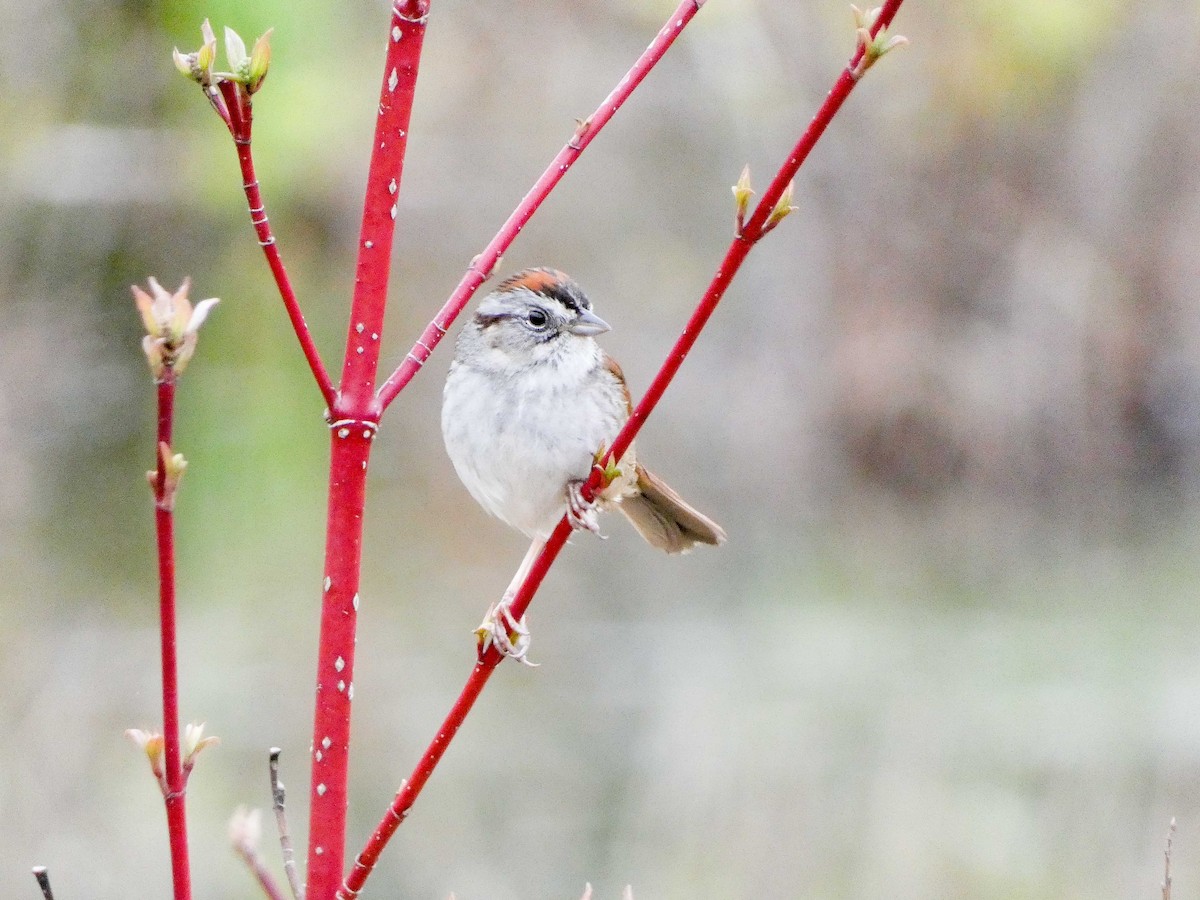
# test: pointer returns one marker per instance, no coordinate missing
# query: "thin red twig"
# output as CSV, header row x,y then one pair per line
x,y
237,112
353,423
481,267
752,231
270,248
164,526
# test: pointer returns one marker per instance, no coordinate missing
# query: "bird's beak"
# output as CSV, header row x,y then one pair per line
x,y
588,324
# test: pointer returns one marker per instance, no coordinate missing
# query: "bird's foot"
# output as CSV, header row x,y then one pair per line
x,y
582,513
500,629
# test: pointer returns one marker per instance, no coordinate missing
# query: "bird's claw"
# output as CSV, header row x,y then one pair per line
x,y
500,629
582,513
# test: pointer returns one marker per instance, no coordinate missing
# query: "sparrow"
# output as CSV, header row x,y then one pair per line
x,y
530,402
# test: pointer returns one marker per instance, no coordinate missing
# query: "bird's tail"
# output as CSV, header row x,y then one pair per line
x,y
665,519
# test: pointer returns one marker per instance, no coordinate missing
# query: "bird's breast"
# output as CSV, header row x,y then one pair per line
x,y
517,441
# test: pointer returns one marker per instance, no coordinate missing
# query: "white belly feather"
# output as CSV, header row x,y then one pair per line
x,y
517,441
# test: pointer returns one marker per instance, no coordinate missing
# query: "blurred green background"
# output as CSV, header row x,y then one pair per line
x,y
949,415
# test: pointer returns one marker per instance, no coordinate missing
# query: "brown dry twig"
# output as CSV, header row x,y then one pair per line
x,y
43,880
278,797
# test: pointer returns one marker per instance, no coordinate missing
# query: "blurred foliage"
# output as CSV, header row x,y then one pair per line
x,y
948,415
1016,56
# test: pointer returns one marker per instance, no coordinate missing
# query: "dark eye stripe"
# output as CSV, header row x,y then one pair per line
x,y
486,320
572,300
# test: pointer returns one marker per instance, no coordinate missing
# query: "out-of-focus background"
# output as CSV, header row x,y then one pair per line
x,y
949,415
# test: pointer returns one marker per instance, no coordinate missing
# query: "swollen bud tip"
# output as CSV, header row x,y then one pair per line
x,y
206,56
247,69
783,207
260,62
172,325
742,192
235,51
151,743
183,62
172,466
245,828
871,46
198,65
865,18
194,741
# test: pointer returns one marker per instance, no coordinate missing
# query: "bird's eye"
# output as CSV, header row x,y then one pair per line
x,y
537,318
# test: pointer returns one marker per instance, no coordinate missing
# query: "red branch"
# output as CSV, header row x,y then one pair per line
x,y
164,527
270,248
237,113
481,267
353,422
753,231
380,209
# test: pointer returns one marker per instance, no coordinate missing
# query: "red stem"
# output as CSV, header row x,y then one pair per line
x,y
399,808
238,114
752,232
354,418
270,248
356,393
164,526
481,267
739,249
